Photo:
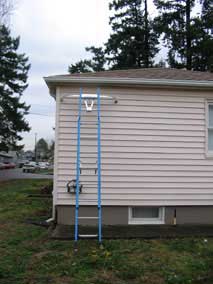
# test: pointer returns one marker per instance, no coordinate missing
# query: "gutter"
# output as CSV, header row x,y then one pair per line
x,y
53,81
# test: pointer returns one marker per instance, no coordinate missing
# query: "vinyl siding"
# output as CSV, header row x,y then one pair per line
x,y
153,149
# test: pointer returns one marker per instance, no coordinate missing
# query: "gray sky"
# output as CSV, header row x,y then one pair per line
x,y
54,33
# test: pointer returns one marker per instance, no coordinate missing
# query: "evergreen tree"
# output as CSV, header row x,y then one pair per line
x,y
187,37
207,14
13,77
176,24
203,60
95,64
133,42
81,66
42,149
6,8
98,59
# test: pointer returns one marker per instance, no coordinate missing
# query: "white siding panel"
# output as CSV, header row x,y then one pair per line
x,y
134,132
117,115
153,150
138,126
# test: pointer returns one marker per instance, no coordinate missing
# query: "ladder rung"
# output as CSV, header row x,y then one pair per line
x,y
88,123
83,202
89,183
87,217
87,168
88,236
89,137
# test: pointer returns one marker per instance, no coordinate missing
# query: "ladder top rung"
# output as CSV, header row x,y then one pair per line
x,y
87,217
88,236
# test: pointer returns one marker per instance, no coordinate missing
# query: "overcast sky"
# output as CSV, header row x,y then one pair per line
x,y
54,33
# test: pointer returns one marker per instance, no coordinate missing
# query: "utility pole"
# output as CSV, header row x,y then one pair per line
x,y
35,147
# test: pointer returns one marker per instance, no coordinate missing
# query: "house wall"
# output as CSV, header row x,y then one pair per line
x,y
153,149
118,215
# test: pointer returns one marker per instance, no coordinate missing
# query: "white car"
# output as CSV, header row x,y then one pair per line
x,y
30,167
43,165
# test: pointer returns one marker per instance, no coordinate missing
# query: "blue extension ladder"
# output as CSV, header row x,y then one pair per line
x,y
78,169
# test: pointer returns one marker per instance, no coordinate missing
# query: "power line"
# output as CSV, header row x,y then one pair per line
x,y
41,114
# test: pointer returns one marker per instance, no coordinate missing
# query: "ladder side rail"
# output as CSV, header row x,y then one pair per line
x,y
78,166
99,169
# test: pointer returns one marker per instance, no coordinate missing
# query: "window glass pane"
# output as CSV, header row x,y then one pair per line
x,y
210,138
145,212
210,115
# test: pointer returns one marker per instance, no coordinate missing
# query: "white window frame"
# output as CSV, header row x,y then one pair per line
x,y
209,153
147,221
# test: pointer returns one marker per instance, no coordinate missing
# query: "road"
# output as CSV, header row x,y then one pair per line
x,y
18,174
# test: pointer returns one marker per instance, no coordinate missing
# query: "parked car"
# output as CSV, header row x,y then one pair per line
x,y
43,165
21,163
8,165
30,167
2,166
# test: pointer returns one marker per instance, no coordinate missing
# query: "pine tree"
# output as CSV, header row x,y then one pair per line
x,y
6,8
207,14
13,77
93,65
177,26
203,60
82,66
187,37
42,149
133,44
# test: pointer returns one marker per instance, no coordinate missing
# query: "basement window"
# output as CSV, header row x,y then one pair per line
x,y
146,215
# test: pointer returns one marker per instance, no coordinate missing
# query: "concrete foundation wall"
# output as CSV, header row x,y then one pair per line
x,y
118,215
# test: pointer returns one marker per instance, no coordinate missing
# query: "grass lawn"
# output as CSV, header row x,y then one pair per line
x,y
28,256
44,171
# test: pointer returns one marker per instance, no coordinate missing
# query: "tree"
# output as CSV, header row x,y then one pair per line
x,y
51,150
93,65
204,53
133,43
14,68
81,66
203,49
185,35
174,22
6,7
42,149
207,14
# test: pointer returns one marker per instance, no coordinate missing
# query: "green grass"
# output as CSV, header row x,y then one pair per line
x,y
44,171
28,256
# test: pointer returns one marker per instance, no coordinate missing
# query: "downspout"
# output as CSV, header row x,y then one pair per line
x,y
53,218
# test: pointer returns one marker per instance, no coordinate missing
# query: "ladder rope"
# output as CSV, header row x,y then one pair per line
x,y
99,169
78,168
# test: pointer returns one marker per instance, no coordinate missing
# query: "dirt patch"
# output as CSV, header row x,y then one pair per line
x,y
63,280
41,254
47,189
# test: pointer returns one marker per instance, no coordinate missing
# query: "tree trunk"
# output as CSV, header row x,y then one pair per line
x,y
146,35
188,36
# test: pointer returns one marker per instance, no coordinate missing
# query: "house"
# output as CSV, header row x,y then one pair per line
x,y
6,157
156,146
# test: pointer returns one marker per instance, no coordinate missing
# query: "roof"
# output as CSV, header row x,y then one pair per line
x,y
142,76
149,73
5,155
